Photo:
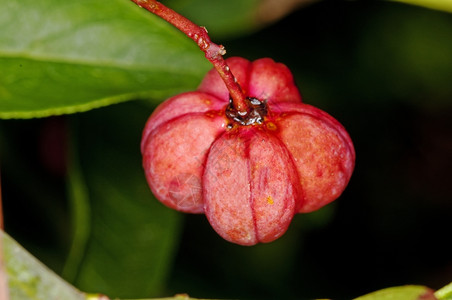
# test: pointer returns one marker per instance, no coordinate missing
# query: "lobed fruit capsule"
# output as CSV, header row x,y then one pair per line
x,y
249,173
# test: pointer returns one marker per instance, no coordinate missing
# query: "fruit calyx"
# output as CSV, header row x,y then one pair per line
x,y
257,110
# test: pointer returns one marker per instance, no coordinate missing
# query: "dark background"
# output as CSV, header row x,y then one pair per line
x,y
384,70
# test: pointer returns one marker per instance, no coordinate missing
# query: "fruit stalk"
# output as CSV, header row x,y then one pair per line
x,y
213,52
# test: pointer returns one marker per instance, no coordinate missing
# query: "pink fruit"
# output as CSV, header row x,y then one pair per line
x,y
243,148
249,176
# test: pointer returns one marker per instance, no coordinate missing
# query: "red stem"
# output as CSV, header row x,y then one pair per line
x,y
213,52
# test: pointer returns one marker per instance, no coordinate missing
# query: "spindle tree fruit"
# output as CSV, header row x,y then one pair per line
x,y
243,148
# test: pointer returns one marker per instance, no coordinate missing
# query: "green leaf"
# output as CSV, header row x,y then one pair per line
x,y
408,292
29,279
130,237
444,293
444,5
59,57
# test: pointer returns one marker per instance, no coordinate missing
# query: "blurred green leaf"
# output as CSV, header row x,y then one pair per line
x,y
445,5
29,279
61,57
408,292
405,54
222,18
132,236
444,293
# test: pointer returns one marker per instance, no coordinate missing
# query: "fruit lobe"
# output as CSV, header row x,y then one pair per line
x,y
251,179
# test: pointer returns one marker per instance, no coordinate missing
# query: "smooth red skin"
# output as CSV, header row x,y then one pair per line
x,y
248,180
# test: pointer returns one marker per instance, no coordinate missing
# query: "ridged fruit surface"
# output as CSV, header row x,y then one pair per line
x,y
250,174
